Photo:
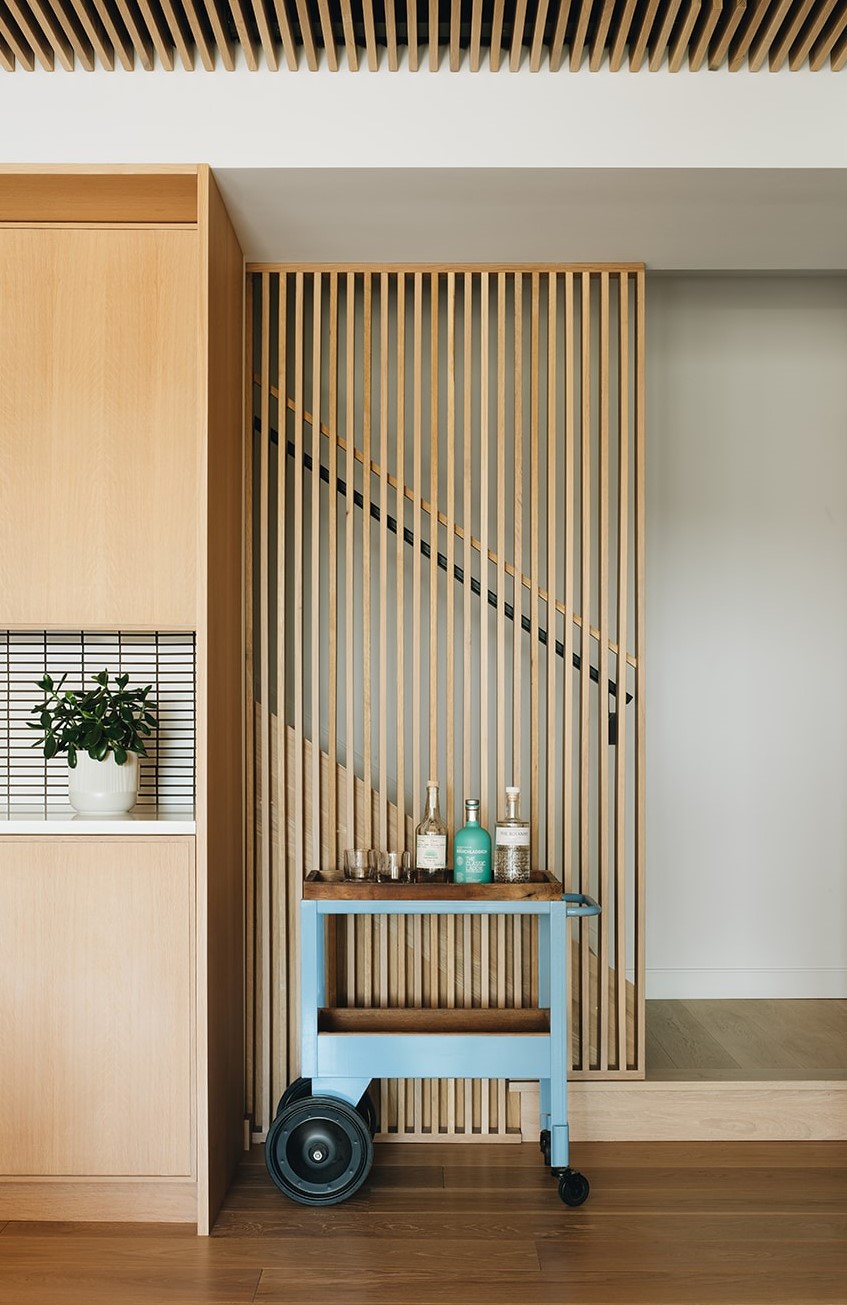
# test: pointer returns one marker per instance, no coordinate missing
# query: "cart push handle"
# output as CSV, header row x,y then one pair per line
x,y
580,904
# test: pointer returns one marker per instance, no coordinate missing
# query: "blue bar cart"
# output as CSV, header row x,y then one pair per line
x,y
319,1149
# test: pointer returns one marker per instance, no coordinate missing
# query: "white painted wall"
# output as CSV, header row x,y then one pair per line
x,y
747,637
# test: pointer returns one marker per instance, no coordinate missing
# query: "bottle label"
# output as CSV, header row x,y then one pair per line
x,y
512,836
431,852
473,866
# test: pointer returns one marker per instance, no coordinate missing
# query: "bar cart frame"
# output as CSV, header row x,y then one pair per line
x,y
319,1149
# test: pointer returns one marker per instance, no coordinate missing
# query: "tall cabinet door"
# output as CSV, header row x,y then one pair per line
x,y
96,1007
98,428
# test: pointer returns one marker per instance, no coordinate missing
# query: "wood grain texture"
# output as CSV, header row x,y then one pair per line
x,y
98,365
87,926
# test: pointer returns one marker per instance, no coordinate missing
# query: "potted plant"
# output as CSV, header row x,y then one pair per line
x,y
102,732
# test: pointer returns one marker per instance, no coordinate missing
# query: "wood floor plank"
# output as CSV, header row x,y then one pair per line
x,y
686,1041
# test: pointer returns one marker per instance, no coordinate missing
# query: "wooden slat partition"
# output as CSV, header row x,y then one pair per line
x,y
494,617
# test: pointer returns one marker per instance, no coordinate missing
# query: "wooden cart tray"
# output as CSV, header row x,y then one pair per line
x,y
319,886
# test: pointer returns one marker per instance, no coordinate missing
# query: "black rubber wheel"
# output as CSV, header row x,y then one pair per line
x,y
319,1151
296,1091
573,1188
544,1144
368,1113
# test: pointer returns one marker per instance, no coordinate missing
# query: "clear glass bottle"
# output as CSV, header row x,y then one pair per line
x,y
431,835
472,849
511,843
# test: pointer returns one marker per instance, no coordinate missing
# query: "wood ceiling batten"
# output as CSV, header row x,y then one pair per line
x,y
679,45
221,33
778,52
578,43
266,36
702,35
432,37
120,41
160,35
658,47
601,35
620,36
476,35
350,35
412,33
537,48
516,51
33,35
7,58
763,42
140,37
390,34
180,37
559,32
14,47
824,46
800,52
639,49
726,29
371,46
287,34
245,39
94,31
455,34
329,38
55,29
740,46
839,54
496,36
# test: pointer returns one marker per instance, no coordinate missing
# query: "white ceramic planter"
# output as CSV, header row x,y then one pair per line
x,y
103,787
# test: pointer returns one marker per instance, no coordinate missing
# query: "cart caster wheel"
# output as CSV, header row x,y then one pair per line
x,y
319,1151
573,1188
301,1087
544,1144
368,1113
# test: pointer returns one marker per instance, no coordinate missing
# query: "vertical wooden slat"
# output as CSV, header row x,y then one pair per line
x,y
332,580
371,46
485,814
776,50
679,46
640,714
250,915
620,36
827,43
658,46
603,682
496,40
517,628
501,539
417,687
467,490
623,642
266,35
552,532
537,47
263,1103
568,533
534,685
317,328
580,35
501,1002
732,15
55,28
330,50
175,25
367,366
219,24
159,33
585,656
202,43
349,519
286,32
518,24
745,35
839,54
455,35
600,37
432,688
450,586
432,37
299,741
703,34
434,922
401,561
273,898
557,45
383,560
638,49
476,36
486,925
801,50
93,29
412,34
37,43
391,36
349,35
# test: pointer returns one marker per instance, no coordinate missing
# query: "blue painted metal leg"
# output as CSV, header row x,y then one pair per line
x,y
558,960
313,985
544,1003
348,1089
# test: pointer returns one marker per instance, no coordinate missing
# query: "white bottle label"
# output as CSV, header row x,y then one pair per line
x,y
431,852
512,836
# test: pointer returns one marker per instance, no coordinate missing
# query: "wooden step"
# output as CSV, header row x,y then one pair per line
x,y
460,1021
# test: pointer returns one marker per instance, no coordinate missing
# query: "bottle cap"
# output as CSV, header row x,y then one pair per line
x,y
512,791
471,802
432,783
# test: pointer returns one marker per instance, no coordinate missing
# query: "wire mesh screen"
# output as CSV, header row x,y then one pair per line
x,y
28,783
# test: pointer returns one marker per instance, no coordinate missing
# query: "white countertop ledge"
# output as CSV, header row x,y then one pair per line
x,y
147,820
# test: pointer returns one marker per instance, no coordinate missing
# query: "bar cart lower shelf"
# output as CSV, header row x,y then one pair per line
x,y
319,1149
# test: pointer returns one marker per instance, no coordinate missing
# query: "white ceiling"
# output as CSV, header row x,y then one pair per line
x,y
671,219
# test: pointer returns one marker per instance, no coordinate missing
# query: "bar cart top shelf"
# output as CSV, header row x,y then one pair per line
x,y
318,886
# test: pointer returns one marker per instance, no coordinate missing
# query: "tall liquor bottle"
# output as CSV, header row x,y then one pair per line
x,y
511,843
431,835
472,849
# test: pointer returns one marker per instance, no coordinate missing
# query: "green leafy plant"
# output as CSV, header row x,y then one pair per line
x,y
97,721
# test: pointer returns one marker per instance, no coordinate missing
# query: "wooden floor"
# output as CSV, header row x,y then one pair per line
x,y
666,1224
746,1040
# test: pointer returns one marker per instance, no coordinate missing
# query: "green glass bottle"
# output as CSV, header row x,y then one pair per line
x,y
472,849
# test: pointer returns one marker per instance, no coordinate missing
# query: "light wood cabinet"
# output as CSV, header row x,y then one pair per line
x,y
96,1007
99,380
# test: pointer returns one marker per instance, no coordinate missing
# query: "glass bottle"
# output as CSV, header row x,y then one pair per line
x,y
472,849
431,835
511,843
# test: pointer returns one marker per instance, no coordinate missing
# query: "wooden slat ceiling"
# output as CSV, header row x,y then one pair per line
x,y
542,35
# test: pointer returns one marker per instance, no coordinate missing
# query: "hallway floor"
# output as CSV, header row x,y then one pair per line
x,y
666,1224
